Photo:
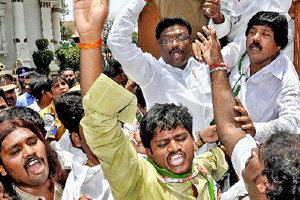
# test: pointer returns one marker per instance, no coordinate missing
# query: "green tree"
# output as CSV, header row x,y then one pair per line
x,y
69,57
42,57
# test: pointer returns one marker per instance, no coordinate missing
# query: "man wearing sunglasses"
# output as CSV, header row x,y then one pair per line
x,y
174,78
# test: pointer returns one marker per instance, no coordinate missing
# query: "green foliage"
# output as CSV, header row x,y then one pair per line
x,y
42,44
42,59
135,37
66,33
69,57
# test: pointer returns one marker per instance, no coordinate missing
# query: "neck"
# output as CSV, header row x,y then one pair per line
x,y
45,190
256,66
43,103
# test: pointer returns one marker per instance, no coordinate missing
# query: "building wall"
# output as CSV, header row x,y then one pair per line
x,y
33,28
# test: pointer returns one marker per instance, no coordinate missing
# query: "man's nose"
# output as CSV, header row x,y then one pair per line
x,y
27,151
256,37
174,146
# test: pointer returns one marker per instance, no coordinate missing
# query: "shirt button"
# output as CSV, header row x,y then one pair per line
x,y
88,96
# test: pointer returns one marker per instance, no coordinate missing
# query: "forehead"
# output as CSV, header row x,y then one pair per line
x,y
174,30
20,135
166,133
265,28
68,72
59,81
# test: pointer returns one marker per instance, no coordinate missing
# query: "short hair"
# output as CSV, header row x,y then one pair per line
x,y
68,69
69,110
31,75
8,126
113,68
38,84
281,155
2,94
24,113
171,21
55,78
166,117
275,21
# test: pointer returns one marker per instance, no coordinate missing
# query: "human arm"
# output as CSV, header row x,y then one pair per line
x,y
228,129
107,105
135,63
90,16
293,8
208,135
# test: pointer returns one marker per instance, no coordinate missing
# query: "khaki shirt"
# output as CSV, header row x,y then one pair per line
x,y
106,105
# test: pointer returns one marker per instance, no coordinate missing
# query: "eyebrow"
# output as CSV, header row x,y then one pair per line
x,y
167,139
18,143
178,34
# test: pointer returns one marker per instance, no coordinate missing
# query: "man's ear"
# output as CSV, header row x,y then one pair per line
x,y
149,153
2,171
263,186
76,139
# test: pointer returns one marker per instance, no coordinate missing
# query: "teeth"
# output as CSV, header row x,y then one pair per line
x,y
33,162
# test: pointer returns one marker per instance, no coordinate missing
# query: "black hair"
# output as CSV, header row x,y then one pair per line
x,y
275,21
68,69
281,155
55,78
31,75
139,95
55,172
113,68
69,110
166,117
38,84
24,113
171,21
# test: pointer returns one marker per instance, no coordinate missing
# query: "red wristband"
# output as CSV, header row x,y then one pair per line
x,y
212,66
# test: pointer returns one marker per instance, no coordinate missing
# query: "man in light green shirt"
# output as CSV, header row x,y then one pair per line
x,y
171,172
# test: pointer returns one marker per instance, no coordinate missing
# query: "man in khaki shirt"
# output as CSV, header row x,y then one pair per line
x,y
171,171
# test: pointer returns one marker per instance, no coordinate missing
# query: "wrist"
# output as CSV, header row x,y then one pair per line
x,y
199,142
219,19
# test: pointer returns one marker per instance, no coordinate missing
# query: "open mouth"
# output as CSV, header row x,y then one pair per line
x,y
33,165
176,159
255,46
176,54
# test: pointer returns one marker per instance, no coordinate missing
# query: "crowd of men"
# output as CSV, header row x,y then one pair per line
x,y
138,127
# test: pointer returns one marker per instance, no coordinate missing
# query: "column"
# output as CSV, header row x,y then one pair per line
x,y
20,32
47,29
56,26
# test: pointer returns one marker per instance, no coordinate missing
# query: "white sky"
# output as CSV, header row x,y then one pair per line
x,y
115,6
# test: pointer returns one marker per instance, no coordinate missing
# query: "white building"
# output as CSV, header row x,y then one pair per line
x,y
22,22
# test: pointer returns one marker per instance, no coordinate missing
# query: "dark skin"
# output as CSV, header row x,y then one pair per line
x,y
229,130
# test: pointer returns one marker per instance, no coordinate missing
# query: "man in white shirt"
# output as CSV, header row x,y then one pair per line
x,y
271,170
263,78
176,77
86,176
230,17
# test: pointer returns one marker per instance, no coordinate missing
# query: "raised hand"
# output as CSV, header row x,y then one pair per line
x,y
248,125
90,16
211,9
210,46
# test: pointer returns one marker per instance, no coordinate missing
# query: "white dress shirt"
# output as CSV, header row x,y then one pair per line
x,y
237,15
86,180
160,82
271,96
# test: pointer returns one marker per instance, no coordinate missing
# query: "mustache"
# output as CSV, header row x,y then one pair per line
x,y
255,44
30,159
176,49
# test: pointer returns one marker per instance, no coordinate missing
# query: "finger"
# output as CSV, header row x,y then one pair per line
x,y
206,31
202,37
244,119
200,44
247,127
241,110
238,101
197,51
213,32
